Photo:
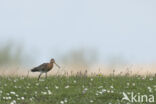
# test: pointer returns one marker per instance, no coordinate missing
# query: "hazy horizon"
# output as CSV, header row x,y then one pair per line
x,y
123,28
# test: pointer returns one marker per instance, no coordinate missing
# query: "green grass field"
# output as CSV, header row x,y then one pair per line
x,y
75,89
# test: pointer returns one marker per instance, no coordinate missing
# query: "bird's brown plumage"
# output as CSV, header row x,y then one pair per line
x,y
44,68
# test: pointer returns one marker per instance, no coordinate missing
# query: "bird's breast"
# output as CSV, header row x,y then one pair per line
x,y
50,66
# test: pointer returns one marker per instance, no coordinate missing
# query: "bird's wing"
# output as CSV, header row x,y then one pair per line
x,y
42,66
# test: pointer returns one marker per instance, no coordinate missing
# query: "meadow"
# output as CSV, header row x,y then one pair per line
x,y
97,89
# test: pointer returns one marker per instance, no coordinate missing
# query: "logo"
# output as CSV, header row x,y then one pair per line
x,y
138,98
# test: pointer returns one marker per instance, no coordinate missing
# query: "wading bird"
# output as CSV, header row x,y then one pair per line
x,y
44,68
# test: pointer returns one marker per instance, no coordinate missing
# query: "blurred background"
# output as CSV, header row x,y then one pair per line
x,y
82,33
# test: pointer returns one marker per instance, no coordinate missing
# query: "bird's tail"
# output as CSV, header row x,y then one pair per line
x,y
34,70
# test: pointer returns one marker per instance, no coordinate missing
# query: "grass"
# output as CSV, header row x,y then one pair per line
x,y
74,89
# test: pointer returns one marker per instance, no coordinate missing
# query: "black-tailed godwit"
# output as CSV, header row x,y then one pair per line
x,y
44,68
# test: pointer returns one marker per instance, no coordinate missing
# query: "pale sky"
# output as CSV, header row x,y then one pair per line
x,y
53,27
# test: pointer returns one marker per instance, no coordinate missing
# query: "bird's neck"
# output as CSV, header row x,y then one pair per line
x,y
50,65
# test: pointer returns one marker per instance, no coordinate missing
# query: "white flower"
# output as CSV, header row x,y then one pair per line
x,y
150,89
62,102
65,100
18,98
100,87
35,92
8,97
37,84
49,92
91,101
1,92
100,92
22,98
74,81
67,86
56,87
104,90
112,91
111,87
108,91
7,94
46,87
133,84
151,79
44,93
30,99
12,93
84,91
96,94
13,102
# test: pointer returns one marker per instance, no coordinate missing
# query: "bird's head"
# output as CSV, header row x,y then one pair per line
x,y
53,61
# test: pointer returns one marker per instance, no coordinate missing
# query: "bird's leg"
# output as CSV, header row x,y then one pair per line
x,y
39,76
46,75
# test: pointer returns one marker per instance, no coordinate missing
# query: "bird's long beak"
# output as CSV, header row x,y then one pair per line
x,y
57,65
